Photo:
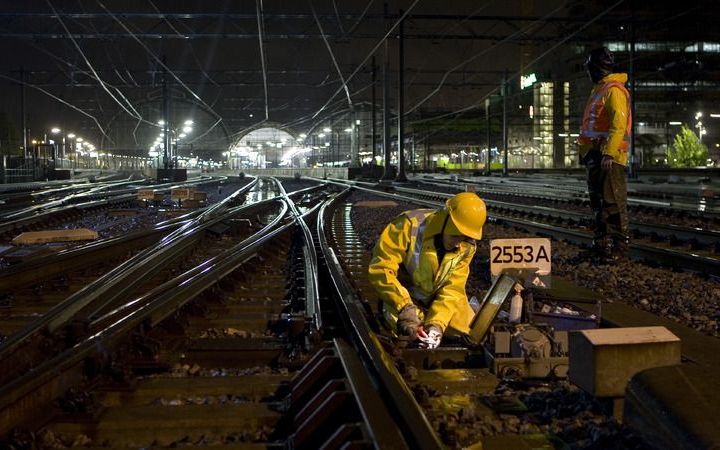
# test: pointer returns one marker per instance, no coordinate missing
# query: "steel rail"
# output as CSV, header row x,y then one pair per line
x,y
38,213
42,267
312,297
212,269
520,188
123,278
94,192
418,430
52,377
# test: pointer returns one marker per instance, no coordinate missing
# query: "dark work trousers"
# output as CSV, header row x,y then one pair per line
x,y
608,199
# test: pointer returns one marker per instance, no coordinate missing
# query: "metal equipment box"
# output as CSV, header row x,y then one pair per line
x,y
603,360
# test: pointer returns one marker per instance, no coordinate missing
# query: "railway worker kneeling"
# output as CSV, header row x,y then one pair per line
x,y
420,266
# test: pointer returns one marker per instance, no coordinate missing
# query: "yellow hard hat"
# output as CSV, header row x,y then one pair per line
x,y
467,212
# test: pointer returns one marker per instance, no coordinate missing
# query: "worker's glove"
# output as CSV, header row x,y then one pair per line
x,y
606,162
429,337
408,321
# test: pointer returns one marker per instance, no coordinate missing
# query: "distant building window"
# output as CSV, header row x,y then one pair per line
x,y
708,47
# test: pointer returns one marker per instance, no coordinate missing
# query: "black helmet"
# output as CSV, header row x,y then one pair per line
x,y
600,63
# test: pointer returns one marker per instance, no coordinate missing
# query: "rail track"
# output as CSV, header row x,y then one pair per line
x,y
211,356
272,343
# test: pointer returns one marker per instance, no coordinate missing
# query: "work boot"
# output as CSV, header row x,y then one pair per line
x,y
605,250
621,247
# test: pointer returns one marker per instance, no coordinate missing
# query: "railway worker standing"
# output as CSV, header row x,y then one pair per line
x,y
420,266
603,145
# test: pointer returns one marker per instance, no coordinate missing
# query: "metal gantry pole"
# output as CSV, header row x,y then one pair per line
x,y
374,113
633,164
487,135
166,115
505,125
387,173
23,116
401,103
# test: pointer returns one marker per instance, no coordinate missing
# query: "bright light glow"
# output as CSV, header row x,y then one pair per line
x,y
327,144
348,130
357,122
182,135
278,145
71,136
161,122
55,130
327,130
187,129
189,122
674,123
562,134
698,114
271,143
34,142
321,135
303,135
79,139
537,138
574,134
715,115
527,81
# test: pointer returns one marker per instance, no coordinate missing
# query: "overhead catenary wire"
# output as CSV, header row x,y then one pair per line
x,y
476,56
38,88
177,32
330,51
369,55
445,32
367,7
134,113
258,8
139,117
480,102
159,61
359,19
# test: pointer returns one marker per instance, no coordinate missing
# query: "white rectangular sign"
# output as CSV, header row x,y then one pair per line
x,y
521,254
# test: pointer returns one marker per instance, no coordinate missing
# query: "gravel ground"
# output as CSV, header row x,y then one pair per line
x,y
556,410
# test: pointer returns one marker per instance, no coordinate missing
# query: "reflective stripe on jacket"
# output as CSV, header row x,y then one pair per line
x,y
406,250
607,119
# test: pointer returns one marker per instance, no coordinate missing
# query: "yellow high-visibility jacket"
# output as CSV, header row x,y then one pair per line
x,y
611,101
405,269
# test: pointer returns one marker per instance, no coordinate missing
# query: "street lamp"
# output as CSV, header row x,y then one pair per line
x,y
56,130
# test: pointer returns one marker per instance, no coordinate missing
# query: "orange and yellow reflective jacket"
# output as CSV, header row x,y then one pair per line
x,y
406,250
607,119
